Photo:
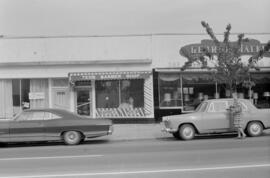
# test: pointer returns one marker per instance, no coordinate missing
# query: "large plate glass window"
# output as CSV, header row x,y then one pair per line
x,y
197,87
170,90
120,98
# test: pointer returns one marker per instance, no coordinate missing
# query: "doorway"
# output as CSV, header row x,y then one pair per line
x,y
84,102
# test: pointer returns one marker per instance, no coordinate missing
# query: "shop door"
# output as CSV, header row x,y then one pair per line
x,y
84,102
60,98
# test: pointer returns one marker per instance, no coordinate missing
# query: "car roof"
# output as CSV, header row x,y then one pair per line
x,y
226,99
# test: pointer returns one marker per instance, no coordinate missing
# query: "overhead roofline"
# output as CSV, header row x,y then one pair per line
x,y
81,62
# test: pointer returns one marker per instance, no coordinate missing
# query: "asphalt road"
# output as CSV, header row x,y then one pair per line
x,y
208,157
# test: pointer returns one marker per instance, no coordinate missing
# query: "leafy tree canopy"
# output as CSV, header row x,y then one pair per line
x,y
226,63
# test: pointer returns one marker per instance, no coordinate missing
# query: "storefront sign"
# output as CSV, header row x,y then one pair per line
x,y
249,47
73,77
36,95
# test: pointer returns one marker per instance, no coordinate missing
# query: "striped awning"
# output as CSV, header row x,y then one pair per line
x,y
84,76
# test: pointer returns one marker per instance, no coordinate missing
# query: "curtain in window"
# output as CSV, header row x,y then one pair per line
x,y
6,104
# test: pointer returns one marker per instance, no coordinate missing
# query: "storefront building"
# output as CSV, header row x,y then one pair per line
x,y
119,77
178,91
90,76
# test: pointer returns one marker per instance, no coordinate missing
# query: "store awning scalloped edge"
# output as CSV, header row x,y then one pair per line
x,y
122,75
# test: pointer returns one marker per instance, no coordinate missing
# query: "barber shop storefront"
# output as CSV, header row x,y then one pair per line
x,y
113,94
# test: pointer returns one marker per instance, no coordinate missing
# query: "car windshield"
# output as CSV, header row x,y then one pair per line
x,y
201,107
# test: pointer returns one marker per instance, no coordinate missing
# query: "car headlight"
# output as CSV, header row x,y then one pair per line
x,y
110,131
165,118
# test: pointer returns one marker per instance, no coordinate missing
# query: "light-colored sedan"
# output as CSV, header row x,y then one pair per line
x,y
213,116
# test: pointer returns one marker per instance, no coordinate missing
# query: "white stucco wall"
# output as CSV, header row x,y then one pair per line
x,y
72,49
29,57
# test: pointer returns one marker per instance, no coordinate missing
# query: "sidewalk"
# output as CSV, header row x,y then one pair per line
x,y
127,132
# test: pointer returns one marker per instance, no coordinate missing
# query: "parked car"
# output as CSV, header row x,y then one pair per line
x,y
213,116
52,125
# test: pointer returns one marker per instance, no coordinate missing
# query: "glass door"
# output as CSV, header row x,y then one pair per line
x,y
84,101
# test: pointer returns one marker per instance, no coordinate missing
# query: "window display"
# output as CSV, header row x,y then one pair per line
x,y
185,91
170,90
120,98
197,87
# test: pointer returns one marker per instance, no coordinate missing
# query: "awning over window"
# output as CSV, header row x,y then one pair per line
x,y
83,76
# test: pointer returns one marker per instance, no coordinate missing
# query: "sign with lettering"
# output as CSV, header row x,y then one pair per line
x,y
248,47
84,76
36,95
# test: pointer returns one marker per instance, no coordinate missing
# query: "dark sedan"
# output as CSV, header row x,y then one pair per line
x,y
52,125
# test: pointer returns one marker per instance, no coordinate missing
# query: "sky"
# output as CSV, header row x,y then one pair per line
x,y
124,17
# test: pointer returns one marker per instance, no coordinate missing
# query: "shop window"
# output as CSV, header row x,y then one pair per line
x,y
120,98
20,94
260,93
197,88
169,90
119,93
132,92
107,94
16,92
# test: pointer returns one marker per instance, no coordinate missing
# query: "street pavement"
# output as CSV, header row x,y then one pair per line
x,y
140,150
161,157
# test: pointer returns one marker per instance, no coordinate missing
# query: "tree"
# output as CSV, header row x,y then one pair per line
x,y
225,63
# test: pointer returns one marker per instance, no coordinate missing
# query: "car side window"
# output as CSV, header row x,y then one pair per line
x,y
51,116
37,116
218,107
24,116
28,116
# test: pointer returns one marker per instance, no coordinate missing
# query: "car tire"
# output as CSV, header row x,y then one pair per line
x,y
186,132
72,137
254,129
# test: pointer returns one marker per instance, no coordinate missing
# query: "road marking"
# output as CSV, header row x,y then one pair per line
x,y
143,172
49,157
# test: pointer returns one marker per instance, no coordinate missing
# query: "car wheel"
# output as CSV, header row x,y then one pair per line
x,y
72,137
254,129
187,132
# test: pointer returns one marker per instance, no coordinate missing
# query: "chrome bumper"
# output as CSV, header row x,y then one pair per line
x,y
110,131
165,128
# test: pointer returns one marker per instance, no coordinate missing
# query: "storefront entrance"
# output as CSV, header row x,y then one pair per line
x,y
84,101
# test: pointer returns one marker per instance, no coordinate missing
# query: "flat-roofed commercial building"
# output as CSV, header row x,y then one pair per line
x,y
126,77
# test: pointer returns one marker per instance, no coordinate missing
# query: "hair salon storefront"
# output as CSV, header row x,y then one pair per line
x,y
181,92
178,91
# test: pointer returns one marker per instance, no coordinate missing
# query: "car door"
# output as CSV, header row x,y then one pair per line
x,y
217,118
53,125
28,126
